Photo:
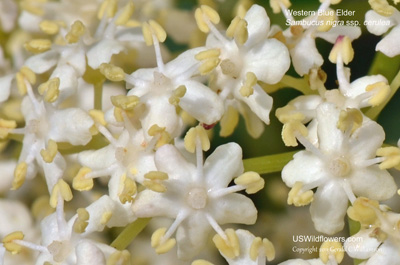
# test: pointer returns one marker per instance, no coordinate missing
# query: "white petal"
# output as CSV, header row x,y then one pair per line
x,y
5,86
8,14
169,160
268,60
192,235
29,21
259,102
14,216
71,125
329,208
180,65
151,204
53,171
76,58
331,35
68,81
233,209
258,24
98,159
302,262
361,245
387,254
223,165
330,137
201,103
307,105
305,167
102,52
389,45
305,55
377,24
42,62
87,253
7,167
364,142
373,183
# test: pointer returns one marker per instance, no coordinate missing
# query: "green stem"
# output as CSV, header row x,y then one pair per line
x,y
374,112
268,164
299,84
129,233
98,94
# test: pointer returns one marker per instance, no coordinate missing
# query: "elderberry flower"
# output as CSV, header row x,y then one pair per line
x,y
342,163
8,14
245,56
196,197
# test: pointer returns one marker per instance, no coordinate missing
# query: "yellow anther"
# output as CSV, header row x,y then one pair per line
x,y
128,189
118,114
288,114
381,90
157,241
112,72
156,175
38,45
350,119
247,89
296,30
21,85
119,258
391,155
50,89
251,180
195,134
31,7
164,136
80,182
290,130
76,32
331,248
6,126
49,27
98,116
204,15
363,210
125,14
229,121
230,31
299,198
229,247
379,234
178,93
19,175
344,48
242,6
317,79
276,5
107,8
208,54
151,29
63,189
332,2
158,31
269,249
9,245
41,207
208,65
266,246
50,152
382,7
201,262
154,186
125,102
28,74
327,20
133,171
105,218
81,222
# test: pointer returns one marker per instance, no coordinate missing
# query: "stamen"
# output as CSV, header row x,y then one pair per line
x,y
380,92
216,226
349,192
6,126
157,241
171,230
292,130
50,89
38,45
81,181
50,152
19,175
191,137
76,32
229,121
30,245
390,157
370,162
49,27
298,197
129,189
10,245
107,9
119,258
62,191
112,72
262,247
230,246
107,135
382,7
81,221
125,14
247,89
331,251
350,120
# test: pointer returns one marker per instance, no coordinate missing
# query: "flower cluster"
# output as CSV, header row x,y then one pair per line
x,y
103,125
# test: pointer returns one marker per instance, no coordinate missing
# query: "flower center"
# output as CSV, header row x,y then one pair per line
x,y
339,167
197,198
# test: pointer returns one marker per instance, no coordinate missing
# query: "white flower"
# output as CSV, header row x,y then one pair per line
x,y
162,87
8,14
304,262
378,25
243,64
197,198
342,163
